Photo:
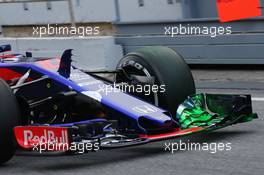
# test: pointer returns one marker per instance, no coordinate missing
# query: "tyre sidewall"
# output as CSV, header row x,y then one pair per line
x,y
9,115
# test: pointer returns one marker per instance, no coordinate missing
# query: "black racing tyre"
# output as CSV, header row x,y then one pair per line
x,y
168,68
9,115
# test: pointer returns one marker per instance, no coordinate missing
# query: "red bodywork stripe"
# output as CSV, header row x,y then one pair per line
x,y
8,74
52,64
174,133
8,56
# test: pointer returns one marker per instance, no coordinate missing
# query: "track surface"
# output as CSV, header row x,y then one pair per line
x,y
246,156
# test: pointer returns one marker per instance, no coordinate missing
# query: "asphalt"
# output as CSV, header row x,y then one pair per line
x,y
245,158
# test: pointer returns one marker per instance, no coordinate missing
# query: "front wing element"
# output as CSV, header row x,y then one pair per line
x,y
214,111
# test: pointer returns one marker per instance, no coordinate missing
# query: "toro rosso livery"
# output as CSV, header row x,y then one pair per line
x,y
49,104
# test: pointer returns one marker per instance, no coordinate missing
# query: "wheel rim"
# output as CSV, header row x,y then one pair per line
x,y
133,70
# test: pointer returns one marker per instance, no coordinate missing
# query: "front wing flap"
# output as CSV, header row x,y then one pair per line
x,y
213,111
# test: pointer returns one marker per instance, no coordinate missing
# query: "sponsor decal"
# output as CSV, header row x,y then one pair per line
x,y
231,10
134,64
38,136
94,95
145,109
89,83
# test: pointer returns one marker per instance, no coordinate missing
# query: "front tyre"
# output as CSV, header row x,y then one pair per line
x,y
167,67
9,115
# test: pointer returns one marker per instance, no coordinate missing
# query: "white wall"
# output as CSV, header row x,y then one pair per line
x,y
37,13
153,10
91,53
90,11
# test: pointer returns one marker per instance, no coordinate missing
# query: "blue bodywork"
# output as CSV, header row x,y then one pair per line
x,y
81,82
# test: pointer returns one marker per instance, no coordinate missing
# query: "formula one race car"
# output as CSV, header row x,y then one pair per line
x,y
48,104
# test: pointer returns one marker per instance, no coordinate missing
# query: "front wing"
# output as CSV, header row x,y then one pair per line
x,y
198,113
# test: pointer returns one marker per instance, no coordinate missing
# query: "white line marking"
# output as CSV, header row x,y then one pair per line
x,y
257,98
